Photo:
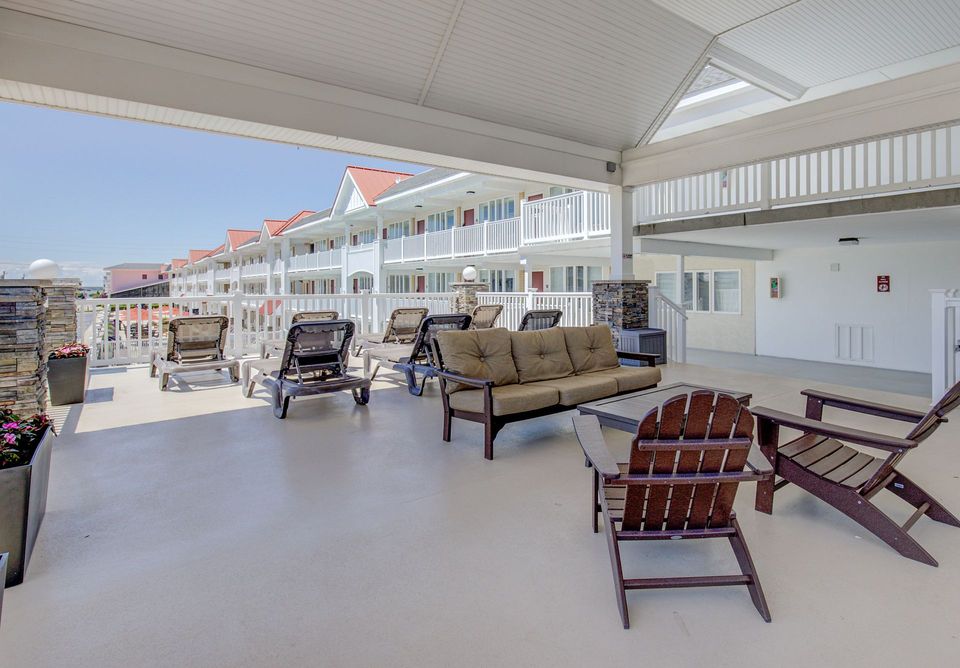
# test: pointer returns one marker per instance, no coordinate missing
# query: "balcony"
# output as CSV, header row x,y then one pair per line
x,y
319,261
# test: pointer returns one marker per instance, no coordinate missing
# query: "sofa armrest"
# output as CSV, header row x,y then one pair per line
x,y
464,380
649,358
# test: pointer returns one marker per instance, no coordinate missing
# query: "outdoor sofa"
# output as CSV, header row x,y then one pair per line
x,y
495,376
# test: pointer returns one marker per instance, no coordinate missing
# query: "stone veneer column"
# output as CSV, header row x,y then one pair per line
x,y
465,295
23,367
61,321
621,304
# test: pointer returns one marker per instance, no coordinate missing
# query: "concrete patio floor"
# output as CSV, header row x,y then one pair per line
x,y
191,528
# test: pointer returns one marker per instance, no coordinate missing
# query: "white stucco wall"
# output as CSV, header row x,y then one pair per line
x,y
815,300
712,331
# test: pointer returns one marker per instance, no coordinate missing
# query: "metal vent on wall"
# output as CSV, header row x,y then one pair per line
x,y
853,343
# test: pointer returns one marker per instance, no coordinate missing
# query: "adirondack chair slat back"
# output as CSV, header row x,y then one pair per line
x,y
197,338
403,325
540,319
429,326
708,433
314,316
932,420
318,348
484,316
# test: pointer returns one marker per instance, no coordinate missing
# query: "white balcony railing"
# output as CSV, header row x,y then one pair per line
x,y
575,215
319,261
919,158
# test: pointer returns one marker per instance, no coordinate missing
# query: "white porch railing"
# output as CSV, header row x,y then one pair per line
x,y
945,344
920,158
668,316
575,215
321,260
124,331
577,307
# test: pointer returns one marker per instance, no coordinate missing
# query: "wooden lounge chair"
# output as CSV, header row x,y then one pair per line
x,y
416,357
401,328
485,316
275,346
314,361
820,462
540,319
194,344
686,463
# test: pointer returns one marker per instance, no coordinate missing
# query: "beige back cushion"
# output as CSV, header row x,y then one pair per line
x,y
540,355
481,353
590,348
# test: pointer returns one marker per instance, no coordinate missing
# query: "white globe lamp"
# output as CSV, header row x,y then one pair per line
x,y
43,269
470,273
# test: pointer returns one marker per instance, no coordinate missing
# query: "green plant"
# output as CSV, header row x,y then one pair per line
x,y
19,437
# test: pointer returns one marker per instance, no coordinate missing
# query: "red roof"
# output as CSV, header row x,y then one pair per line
x,y
197,255
239,237
371,182
267,308
215,251
278,227
176,263
136,314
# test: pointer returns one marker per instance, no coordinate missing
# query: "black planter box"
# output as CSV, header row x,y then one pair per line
x,y
67,380
23,502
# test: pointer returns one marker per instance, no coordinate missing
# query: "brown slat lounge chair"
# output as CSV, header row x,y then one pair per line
x,y
686,463
194,344
485,316
540,319
275,346
401,328
416,357
314,361
820,462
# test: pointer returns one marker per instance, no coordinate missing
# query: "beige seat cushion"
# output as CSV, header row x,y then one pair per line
x,y
590,348
575,390
481,353
507,400
540,355
630,378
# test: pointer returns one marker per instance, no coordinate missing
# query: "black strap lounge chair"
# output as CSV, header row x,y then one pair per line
x,y
275,346
194,344
540,319
417,357
821,462
485,316
685,465
314,361
401,328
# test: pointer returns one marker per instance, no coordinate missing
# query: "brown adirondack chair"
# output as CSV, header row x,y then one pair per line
x,y
846,478
686,463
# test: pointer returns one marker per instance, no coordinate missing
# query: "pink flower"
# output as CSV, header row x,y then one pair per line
x,y
10,438
11,425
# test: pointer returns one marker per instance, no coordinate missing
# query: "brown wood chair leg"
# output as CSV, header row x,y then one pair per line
x,y
619,589
764,500
447,420
595,501
739,546
913,494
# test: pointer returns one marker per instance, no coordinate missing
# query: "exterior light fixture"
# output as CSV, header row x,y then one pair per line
x,y
849,241
471,192
418,206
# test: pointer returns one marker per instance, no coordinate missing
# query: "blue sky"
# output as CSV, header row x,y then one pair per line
x,y
89,191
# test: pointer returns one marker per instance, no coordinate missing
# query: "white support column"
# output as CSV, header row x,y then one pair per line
x,y
284,266
621,233
379,275
679,294
271,259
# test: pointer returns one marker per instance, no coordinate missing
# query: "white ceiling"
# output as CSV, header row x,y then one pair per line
x,y
926,225
601,73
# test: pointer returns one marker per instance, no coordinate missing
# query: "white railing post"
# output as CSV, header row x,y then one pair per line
x,y
236,323
653,307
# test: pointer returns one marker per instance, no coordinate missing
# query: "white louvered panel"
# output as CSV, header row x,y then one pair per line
x,y
716,16
597,72
818,41
383,47
853,343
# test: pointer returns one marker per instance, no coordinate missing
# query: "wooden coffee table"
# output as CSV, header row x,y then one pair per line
x,y
626,411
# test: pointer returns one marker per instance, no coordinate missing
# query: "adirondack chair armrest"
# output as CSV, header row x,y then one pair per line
x,y
757,463
689,478
649,358
464,380
862,406
594,446
808,426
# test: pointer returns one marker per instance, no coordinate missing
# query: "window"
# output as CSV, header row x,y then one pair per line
x,y
143,276
443,220
499,280
397,230
560,190
364,282
705,291
339,241
399,284
577,278
438,281
497,209
366,236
